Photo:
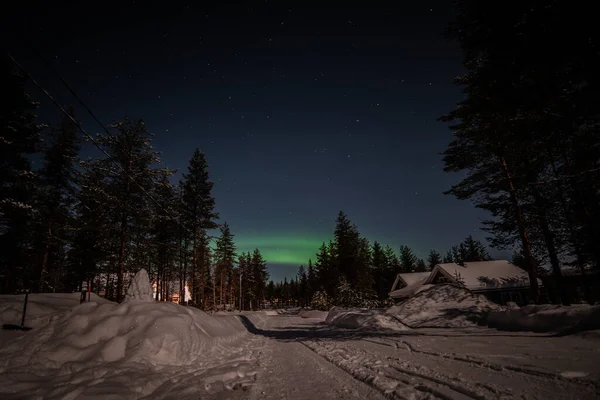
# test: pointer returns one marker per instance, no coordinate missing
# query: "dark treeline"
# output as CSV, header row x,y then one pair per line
x,y
101,219
526,133
349,271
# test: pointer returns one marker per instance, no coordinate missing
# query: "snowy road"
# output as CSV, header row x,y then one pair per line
x,y
304,359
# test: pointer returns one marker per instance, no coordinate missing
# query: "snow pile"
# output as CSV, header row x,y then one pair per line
x,y
134,331
362,319
101,349
443,306
140,287
313,314
40,307
547,318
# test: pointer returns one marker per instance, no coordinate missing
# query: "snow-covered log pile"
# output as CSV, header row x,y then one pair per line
x,y
547,318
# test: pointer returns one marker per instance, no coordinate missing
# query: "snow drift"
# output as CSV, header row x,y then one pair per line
x,y
40,307
443,306
547,318
135,331
101,349
362,319
316,314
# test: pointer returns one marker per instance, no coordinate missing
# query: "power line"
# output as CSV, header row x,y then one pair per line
x,y
78,124
94,141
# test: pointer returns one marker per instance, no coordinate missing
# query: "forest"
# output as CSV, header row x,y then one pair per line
x,y
101,219
525,138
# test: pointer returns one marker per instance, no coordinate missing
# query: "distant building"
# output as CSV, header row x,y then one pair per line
x,y
406,284
499,280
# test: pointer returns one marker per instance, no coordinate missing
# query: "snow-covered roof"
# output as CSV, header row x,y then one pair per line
x,y
409,279
409,290
483,275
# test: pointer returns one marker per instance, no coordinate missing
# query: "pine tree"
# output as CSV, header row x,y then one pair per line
x,y
326,270
163,234
224,263
346,247
302,285
19,138
523,132
408,260
313,281
261,274
434,258
55,198
420,266
473,250
393,261
448,258
198,213
92,248
126,191
381,271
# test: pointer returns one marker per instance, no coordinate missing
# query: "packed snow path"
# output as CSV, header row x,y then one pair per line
x,y
303,359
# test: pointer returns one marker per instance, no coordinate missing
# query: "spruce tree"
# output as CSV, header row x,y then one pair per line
x,y
420,266
381,271
408,260
448,258
313,280
302,285
261,275
55,198
163,234
224,263
130,173
198,212
434,258
19,138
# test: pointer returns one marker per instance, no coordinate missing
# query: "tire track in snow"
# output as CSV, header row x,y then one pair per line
x,y
399,380
404,345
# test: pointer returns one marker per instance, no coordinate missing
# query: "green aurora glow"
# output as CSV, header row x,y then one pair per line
x,y
282,249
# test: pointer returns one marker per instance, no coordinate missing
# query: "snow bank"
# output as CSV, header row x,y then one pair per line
x,y
40,307
443,306
134,331
101,349
362,319
547,318
322,315
140,287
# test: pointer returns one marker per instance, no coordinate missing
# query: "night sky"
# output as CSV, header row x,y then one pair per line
x,y
301,111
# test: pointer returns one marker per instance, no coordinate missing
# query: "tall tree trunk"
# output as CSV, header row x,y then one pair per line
x,y
548,235
184,272
525,243
589,214
194,266
156,296
121,270
214,291
571,229
45,257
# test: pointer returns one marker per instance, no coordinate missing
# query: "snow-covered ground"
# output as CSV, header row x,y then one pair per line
x,y
145,350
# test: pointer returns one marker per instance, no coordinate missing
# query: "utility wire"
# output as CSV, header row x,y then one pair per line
x,y
78,124
91,138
